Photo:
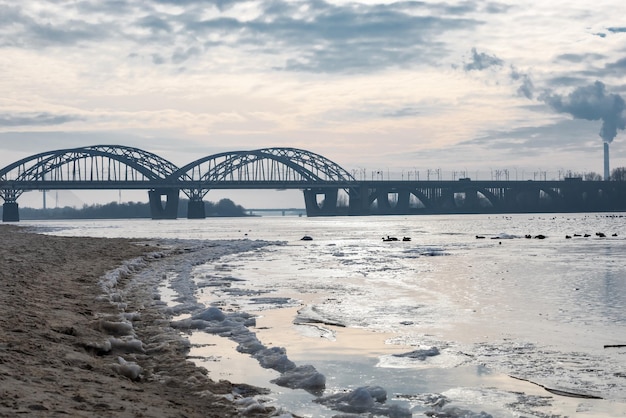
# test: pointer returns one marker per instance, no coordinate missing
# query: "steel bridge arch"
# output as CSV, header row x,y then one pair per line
x,y
81,164
263,165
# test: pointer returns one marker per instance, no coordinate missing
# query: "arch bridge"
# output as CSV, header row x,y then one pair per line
x,y
328,188
117,167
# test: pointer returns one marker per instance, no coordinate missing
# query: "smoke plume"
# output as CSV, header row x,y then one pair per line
x,y
592,103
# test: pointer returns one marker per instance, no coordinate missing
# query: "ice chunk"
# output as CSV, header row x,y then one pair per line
x,y
116,328
248,343
251,406
128,369
303,377
274,358
420,354
98,347
366,399
210,314
189,323
128,345
455,412
183,308
311,315
132,316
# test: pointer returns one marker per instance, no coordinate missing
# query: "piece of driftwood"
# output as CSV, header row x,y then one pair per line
x,y
561,392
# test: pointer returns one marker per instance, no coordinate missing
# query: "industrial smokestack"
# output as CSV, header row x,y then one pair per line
x,y
606,162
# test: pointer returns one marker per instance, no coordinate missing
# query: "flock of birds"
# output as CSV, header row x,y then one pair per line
x,y
540,236
598,234
388,238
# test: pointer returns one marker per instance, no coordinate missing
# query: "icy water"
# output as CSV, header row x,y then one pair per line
x,y
468,318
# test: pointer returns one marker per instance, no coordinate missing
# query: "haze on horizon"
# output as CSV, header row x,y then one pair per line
x,y
458,86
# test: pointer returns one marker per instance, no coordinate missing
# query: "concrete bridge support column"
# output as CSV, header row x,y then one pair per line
x,y
196,209
359,201
10,212
527,200
327,207
158,210
382,201
471,202
446,202
402,207
509,199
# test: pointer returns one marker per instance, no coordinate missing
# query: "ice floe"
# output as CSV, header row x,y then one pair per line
x,y
365,399
420,354
312,315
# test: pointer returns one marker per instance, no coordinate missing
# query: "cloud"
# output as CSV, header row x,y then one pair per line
x,y
592,103
566,81
37,29
307,36
155,24
617,65
402,113
35,119
536,140
617,29
481,61
181,55
32,142
578,58
527,87
355,37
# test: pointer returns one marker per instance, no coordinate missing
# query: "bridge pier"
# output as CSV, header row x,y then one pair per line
x,y
328,206
461,201
382,199
527,200
196,209
401,204
471,201
358,201
404,199
160,209
10,212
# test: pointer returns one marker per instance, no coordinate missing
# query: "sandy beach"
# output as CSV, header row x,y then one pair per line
x,y
58,334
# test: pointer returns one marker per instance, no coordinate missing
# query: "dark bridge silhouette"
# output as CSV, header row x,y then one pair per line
x,y
328,188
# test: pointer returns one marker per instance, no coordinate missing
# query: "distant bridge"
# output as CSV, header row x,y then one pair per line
x,y
282,211
328,188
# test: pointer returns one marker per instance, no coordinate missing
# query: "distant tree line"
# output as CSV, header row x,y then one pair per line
x,y
114,210
617,174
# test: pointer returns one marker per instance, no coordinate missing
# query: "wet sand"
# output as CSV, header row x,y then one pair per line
x,y
54,359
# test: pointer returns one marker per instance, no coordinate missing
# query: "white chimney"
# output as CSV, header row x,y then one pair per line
x,y
606,162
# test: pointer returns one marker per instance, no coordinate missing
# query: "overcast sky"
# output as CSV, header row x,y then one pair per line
x,y
373,85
